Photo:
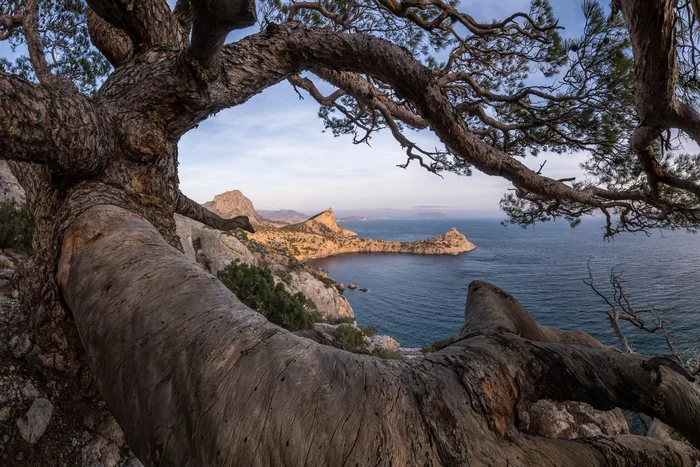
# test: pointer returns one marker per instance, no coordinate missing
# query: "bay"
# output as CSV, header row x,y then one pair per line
x,y
417,299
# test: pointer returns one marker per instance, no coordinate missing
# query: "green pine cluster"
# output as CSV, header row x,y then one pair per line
x,y
256,288
16,226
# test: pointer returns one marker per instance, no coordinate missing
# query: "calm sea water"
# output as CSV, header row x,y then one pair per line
x,y
417,299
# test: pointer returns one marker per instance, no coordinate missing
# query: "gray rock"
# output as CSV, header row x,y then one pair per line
x,y
9,186
33,425
569,420
382,341
20,345
110,429
29,391
100,452
131,461
215,250
5,413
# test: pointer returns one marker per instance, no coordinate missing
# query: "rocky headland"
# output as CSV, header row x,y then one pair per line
x,y
321,236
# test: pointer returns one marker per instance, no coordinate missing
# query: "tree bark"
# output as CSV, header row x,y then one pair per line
x,y
211,382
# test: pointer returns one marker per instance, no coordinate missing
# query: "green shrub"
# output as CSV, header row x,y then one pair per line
x,y
284,275
370,331
256,288
16,226
437,345
387,354
339,320
350,338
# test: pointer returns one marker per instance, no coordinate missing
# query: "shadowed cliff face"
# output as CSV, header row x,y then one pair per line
x,y
214,250
321,236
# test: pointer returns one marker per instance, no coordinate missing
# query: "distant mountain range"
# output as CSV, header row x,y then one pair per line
x,y
284,215
234,203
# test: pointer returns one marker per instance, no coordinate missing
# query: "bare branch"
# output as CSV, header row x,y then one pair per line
x,y
112,42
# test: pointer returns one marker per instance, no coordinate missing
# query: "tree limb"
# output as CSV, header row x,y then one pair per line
x,y
213,20
290,48
184,14
30,28
149,23
112,42
192,209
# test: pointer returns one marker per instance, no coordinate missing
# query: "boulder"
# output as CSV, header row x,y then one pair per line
x,y
382,341
33,425
341,287
352,286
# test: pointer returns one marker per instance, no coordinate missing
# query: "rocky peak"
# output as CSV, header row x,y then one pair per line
x,y
231,204
234,203
323,223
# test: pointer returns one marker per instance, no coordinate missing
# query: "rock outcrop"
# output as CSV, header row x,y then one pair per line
x,y
321,236
323,224
215,250
10,188
234,203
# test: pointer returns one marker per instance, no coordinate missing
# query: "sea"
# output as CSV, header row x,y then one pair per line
x,y
417,299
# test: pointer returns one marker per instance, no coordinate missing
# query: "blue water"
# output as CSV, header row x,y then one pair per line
x,y
417,299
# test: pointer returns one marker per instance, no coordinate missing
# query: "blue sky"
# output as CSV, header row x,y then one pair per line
x,y
273,149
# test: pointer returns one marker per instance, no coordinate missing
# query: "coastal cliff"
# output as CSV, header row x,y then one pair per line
x,y
321,236
215,250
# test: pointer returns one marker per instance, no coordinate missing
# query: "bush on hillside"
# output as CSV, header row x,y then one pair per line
x,y
437,345
16,226
256,288
350,338
387,354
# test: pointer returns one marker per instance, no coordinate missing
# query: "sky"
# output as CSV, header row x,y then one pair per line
x,y
274,150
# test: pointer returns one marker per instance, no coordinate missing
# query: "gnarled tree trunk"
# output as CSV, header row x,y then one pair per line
x,y
196,378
